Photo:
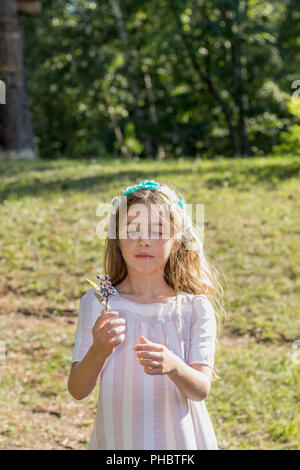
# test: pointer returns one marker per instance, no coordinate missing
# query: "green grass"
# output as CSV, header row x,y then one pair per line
x,y
49,245
255,404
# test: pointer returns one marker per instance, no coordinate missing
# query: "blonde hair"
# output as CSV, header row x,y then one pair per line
x,y
185,271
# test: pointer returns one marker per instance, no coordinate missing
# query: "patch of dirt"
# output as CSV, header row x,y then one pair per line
x,y
39,306
31,419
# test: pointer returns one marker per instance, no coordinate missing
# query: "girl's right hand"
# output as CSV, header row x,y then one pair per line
x,y
108,332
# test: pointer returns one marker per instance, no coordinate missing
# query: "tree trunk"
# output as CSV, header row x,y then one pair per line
x,y
206,78
118,133
16,134
239,92
144,137
153,115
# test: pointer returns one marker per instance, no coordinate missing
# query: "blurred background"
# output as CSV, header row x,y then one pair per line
x,y
96,96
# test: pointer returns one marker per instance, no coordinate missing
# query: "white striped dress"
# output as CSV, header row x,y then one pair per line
x,y
137,411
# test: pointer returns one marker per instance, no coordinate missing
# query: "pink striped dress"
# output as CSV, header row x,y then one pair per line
x,y
137,411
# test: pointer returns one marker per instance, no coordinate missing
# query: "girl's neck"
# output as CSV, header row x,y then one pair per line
x,y
145,294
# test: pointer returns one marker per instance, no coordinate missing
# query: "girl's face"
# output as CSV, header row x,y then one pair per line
x,y
145,232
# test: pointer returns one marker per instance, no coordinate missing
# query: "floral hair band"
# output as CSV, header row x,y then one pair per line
x,y
149,184
152,184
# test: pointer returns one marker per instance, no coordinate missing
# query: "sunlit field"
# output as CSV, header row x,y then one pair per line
x,y
49,245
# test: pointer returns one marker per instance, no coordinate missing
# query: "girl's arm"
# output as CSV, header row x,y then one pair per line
x,y
84,374
192,381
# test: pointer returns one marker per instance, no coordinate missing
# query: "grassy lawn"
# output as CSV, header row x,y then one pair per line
x,y
49,245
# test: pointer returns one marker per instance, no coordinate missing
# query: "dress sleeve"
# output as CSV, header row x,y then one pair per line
x,y
85,323
203,332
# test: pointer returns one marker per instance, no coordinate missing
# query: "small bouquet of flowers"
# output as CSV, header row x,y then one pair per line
x,y
104,291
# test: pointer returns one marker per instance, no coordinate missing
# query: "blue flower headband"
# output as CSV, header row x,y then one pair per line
x,y
152,184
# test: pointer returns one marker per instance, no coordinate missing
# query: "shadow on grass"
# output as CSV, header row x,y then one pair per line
x,y
16,167
233,173
272,173
90,183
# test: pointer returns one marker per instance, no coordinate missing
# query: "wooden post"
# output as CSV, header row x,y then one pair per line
x,y
16,133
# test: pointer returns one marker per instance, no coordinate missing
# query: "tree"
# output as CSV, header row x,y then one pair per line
x,y
192,77
16,133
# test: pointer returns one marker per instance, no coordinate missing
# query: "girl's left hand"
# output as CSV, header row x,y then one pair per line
x,y
156,358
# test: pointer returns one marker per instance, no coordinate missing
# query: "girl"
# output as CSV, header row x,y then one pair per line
x,y
154,352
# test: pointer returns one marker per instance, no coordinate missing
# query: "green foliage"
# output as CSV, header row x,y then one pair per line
x,y
193,77
290,139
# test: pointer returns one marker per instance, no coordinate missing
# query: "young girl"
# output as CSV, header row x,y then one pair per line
x,y
153,352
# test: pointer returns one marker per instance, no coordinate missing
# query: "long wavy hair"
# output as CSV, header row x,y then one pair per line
x,y
187,270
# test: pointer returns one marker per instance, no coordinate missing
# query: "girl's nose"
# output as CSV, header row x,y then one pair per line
x,y
143,240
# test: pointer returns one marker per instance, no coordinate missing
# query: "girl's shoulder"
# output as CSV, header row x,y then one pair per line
x,y
194,297
88,296
198,303
89,305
